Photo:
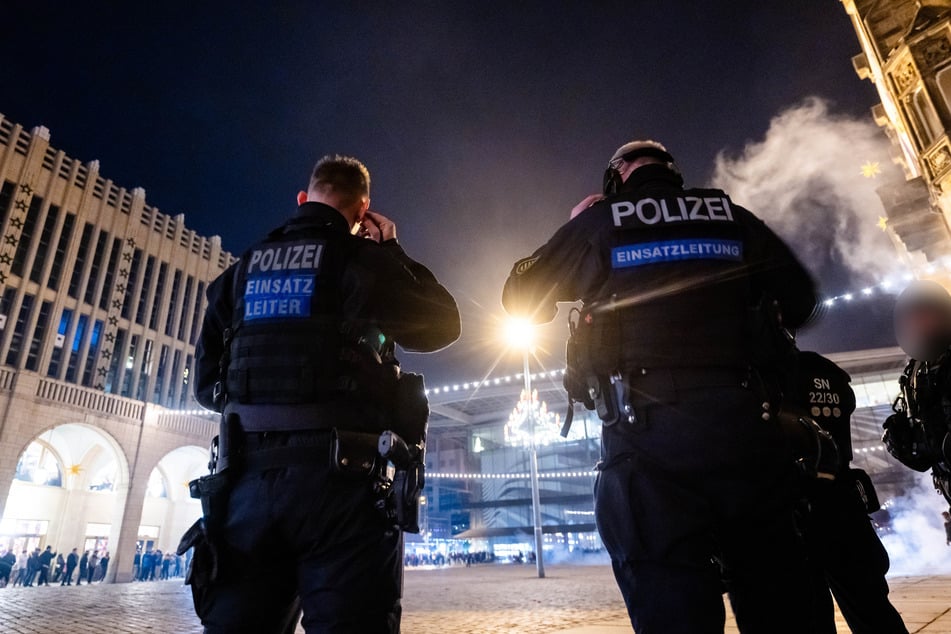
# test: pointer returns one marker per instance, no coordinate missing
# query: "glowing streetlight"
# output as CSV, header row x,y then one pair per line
x,y
520,333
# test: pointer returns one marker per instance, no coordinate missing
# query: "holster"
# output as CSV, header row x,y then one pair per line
x,y
603,394
213,491
354,453
400,495
203,566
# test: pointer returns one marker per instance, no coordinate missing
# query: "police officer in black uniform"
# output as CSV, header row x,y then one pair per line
x,y
674,284
296,350
844,550
918,434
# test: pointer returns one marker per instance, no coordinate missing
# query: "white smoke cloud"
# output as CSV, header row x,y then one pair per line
x,y
916,543
805,180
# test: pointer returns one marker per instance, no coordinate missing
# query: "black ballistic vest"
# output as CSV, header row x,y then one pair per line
x,y
676,284
289,333
818,388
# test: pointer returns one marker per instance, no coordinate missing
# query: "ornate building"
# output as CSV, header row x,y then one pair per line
x,y
101,298
906,53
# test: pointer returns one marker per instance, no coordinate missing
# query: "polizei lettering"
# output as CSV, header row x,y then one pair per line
x,y
286,257
675,250
651,211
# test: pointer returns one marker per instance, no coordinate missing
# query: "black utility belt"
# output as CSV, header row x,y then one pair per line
x,y
288,418
346,451
691,376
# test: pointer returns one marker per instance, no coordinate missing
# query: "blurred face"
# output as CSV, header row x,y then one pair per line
x,y
923,332
922,322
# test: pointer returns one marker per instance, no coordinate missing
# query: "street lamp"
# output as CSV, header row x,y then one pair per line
x,y
520,333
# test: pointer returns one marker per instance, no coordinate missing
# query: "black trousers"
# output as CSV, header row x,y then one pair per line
x,y
848,558
696,499
304,537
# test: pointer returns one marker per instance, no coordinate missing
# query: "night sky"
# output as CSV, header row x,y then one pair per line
x,y
482,123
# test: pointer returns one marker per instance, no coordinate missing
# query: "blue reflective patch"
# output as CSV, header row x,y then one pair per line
x,y
279,296
675,250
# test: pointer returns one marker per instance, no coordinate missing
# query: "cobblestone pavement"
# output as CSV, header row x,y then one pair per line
x,y
477,600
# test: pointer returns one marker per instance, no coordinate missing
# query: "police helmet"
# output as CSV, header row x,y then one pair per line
x,y
923,320
638,149
631,152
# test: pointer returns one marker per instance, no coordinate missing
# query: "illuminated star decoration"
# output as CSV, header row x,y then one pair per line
x,y
871,169
882,223
75,469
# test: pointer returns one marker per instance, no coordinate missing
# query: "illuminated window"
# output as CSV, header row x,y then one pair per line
x,y
926,122
156,488
39,465
943,79
104,479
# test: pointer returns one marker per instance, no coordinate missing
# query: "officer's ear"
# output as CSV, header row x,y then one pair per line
x,y
301,197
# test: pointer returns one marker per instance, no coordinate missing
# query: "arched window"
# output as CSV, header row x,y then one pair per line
x,y
926,121
943,79
157,488
39,465
104,478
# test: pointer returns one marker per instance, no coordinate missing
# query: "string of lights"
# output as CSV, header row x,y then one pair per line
x,y
890,286
510,476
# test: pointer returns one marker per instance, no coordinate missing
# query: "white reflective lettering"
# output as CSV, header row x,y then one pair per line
x,y
648,220
621,210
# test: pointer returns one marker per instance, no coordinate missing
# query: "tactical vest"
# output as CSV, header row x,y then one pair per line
x,y
927,393
288,334
675,281
816,387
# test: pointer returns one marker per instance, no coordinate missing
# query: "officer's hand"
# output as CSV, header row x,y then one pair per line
x,y
584,204
378,227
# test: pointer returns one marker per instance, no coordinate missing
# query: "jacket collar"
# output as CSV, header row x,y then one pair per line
x,y
652,174
321,215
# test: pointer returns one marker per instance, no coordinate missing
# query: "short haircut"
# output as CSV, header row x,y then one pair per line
x,y
342,175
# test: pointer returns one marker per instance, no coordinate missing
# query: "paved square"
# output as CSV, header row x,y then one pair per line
x,y
483,599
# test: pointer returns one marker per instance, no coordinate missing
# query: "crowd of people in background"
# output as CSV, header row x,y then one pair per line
x,y
45,567
48,567
452,559
152,565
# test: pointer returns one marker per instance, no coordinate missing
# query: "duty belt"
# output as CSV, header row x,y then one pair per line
x,y
307,449
687,377
304,417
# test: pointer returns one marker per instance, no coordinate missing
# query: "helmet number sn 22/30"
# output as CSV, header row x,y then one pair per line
x,y
824,398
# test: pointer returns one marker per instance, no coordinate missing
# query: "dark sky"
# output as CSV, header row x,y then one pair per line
x,y
482,123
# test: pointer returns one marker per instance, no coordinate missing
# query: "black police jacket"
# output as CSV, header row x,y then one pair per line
x,y
681,270
305,281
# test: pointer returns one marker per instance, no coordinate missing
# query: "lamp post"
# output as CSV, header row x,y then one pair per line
x,y
520,334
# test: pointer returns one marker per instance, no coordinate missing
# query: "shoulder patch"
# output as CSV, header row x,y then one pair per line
x,y
523,265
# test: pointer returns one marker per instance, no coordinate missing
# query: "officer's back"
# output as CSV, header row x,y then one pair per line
x,y
684,292
297,350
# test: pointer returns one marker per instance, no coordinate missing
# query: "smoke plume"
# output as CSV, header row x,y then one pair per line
x,y
916,543
805,179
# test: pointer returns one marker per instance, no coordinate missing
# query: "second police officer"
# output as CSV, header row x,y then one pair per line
x,y
678,287
296,350
845,553
919,432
